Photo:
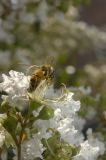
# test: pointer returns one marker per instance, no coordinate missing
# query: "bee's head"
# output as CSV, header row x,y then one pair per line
x,y
48,71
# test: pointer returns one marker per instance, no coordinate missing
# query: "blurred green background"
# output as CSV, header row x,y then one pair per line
x,y
71,31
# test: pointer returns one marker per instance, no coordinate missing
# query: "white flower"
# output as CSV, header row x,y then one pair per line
x,y
95,142
15,85
66,103
87,152
63,121
42,126
79,122
64,112
67,130
32,149
64,127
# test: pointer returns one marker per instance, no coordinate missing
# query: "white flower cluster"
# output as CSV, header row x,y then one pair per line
x,y
64,120
87,152
32,148
15,86
90,149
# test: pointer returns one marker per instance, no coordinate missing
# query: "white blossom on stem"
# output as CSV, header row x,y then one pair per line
x,y
87,152
65,119
32,148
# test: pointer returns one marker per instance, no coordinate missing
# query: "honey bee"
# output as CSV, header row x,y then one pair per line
x,y
44,72
40,73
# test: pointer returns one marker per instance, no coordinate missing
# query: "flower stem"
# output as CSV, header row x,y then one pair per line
x,y
19,152
23,124
20,142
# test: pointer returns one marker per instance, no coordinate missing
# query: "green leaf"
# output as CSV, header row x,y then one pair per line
x,y
63,6
34,106
10,124
5,107
103,101
58,150
9,140
50,2
31,7
46,113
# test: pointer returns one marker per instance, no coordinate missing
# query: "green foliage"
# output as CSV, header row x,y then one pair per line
x,y
79,2
10,124
102,101
102,157
33,105
46,113
31,6
64,5
6,108
57,149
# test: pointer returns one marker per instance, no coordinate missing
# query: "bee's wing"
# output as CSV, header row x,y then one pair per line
x,y
30,69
